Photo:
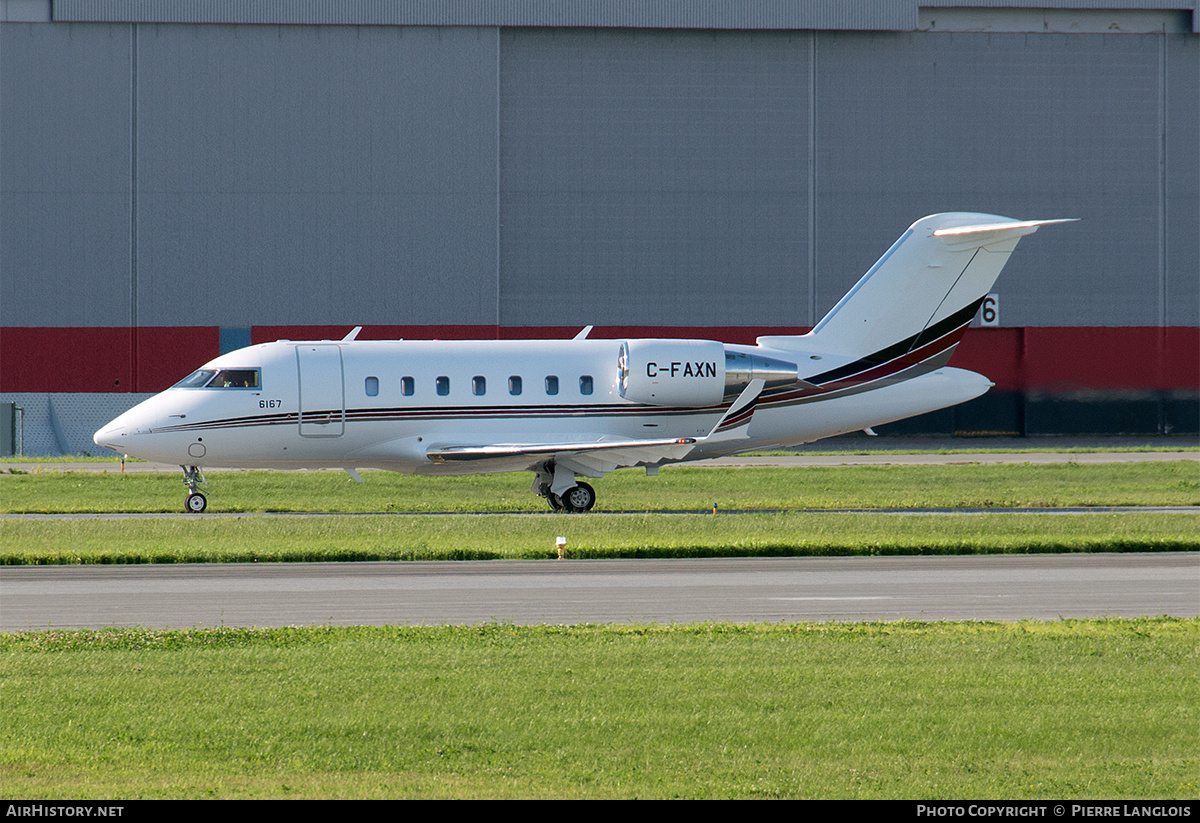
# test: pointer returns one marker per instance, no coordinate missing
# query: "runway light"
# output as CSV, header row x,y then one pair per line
x,y
560,543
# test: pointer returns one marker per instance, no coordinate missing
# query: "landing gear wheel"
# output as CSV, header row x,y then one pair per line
x,y
579,498
556,503
193,477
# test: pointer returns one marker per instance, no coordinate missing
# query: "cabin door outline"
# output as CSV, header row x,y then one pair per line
x,y
322,390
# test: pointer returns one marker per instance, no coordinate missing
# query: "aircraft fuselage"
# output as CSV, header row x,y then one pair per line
x,y
384,404
566,409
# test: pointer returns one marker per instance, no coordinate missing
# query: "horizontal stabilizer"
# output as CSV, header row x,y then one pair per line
x,y
1032,225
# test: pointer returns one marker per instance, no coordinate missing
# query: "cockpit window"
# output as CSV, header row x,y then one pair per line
x,y
236,379
220,379
196,379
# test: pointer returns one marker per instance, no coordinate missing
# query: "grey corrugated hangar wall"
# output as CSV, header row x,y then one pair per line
x,y
205,164
232,174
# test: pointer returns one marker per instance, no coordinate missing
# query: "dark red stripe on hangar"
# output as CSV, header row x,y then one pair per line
x,y
1054,359
86,359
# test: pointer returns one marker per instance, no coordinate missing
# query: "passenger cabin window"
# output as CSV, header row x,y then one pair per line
x,y
443,386
407,386
585,384
551,384
372,387
478,386
514,385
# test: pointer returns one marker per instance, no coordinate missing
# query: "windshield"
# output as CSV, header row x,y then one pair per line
x,y
196,379
220,379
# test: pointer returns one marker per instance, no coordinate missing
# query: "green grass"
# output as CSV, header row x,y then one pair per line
x,y
382,537
25,459
1073,709
678,488
644,534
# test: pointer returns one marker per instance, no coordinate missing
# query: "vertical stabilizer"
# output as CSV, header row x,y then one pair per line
x,y
928,285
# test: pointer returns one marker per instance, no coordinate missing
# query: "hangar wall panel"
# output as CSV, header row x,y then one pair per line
x,y
316,174
163,184
64,175
1030,126
527,177
1181,224
654,177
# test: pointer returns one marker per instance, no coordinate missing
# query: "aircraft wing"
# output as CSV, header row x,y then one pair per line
x,y
618,452
595,458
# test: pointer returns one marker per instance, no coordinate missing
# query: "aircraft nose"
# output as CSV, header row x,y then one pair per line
x,y
111,437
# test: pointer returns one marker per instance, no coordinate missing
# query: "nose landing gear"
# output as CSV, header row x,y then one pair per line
x,y
196,502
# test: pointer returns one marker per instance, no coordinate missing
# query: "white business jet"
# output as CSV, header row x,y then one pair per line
x,y
581,408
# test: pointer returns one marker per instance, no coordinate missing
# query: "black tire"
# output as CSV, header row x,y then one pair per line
x,y
195,503
579,499
555,501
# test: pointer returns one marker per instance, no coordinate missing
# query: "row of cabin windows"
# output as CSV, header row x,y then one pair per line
x,y
408,385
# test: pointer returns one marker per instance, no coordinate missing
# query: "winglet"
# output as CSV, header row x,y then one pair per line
x,y
735,423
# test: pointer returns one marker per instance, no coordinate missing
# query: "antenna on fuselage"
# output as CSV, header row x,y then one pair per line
x,y
353,334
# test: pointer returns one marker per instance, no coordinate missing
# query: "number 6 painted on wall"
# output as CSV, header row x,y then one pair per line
x,y
989,312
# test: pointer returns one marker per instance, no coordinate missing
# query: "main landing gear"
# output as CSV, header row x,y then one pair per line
x,y
578,497
196,502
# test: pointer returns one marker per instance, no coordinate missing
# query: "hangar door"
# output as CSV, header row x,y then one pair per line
x,y
322,400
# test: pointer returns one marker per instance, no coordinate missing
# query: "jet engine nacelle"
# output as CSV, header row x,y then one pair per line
x,y
694,373
672,372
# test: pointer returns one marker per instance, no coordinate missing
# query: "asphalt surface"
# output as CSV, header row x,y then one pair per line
x,y
1003,588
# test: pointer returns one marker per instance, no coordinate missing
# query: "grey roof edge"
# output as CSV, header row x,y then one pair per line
x,y
1191,6
862,15
816,15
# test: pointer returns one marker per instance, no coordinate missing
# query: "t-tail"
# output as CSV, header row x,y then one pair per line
x,y
922,294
